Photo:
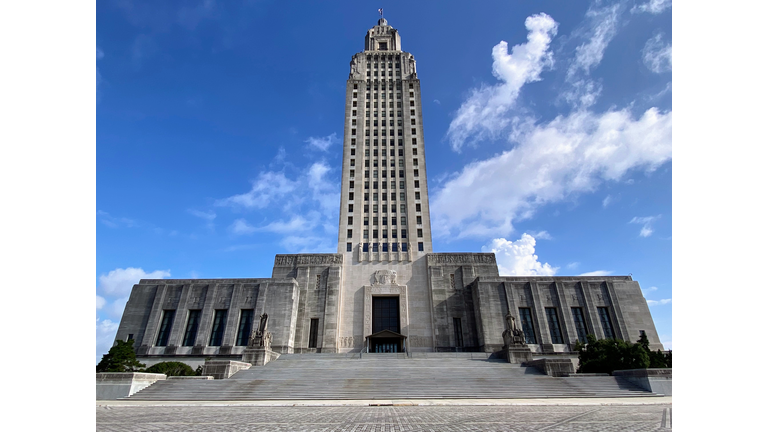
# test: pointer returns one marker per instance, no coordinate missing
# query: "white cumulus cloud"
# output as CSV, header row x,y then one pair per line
x,y
518,258
657,54
119,282
568,155
483,114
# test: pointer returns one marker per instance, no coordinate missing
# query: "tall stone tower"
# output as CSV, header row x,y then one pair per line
x,y
384,210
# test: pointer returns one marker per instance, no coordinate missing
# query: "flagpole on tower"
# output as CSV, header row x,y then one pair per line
x,y
381,12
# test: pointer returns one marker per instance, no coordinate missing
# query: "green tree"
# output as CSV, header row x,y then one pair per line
x,y
171,368
608,355
658,359
120,358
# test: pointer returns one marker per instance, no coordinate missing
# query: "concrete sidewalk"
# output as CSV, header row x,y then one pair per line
x,y
661,400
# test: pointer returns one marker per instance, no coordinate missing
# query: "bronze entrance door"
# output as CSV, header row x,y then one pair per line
x,y
386,316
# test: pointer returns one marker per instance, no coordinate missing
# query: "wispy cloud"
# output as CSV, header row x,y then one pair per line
x,y
646,222
303,209
607,200
598,273
242,227
484,114
657,55
518,258
658,302
115,222
599,27
322,143
190,16
652,6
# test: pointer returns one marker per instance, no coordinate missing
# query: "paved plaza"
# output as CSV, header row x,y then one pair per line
x,y
581,417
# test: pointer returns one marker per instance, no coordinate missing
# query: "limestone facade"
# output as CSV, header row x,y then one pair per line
x,y
325,302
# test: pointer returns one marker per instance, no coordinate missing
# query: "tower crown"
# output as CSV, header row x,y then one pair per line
x,y
382,37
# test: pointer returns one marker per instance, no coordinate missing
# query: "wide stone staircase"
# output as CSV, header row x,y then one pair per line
x,y
388,376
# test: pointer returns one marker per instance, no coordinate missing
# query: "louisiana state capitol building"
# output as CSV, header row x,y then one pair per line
x,y
385,290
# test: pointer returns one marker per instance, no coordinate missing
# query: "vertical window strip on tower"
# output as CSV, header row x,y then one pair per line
x,y
190,333
554,326
527,323
245,326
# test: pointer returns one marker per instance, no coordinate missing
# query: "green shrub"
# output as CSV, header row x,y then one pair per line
x,y
608,355
171,368
120,358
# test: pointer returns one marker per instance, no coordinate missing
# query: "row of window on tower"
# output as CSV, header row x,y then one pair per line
x,y
386,247
353,141
553,323
400,153
217,330
367,220
367,162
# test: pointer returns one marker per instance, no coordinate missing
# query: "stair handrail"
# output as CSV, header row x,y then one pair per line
x,y
365,348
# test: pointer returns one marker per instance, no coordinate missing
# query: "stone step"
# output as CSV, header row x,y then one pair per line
x,y
322,376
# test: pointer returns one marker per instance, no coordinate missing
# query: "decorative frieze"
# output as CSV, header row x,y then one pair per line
x,y
474,258
315,259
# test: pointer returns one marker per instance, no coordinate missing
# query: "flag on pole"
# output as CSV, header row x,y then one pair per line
x,y
381,12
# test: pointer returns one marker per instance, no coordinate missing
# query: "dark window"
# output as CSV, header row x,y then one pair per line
x,y
403,234
581,326
457,331
375,245
351,196
605,321
419,233
350,207
416,184
386,314
384,246
554,325
421,247
527,323
165,327
349,220
418,207
349,233
219,322
349,247
190,333
313,323
365,247
418,220
404,246
245,327
394,247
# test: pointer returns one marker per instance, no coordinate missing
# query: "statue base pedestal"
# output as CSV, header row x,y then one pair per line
x,y
259,356
518,354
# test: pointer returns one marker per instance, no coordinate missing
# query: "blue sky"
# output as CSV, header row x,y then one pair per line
x,y
547,129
